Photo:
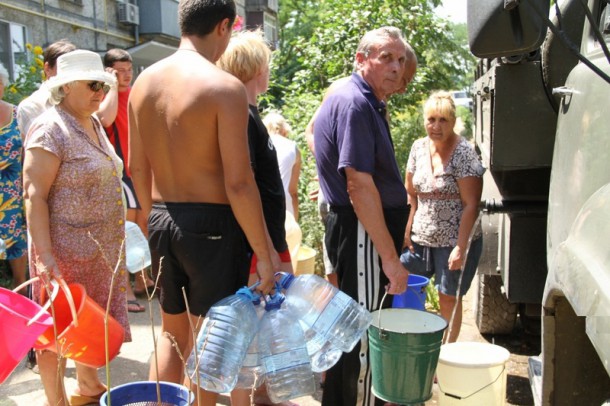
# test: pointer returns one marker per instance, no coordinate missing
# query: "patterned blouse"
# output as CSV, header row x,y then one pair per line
x,y
439,207
12,217
85,205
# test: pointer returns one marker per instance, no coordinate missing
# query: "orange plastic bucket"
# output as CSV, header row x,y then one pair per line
x,y
21,322
79,322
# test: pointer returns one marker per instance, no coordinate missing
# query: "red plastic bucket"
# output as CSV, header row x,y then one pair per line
x,y
21,322
80,328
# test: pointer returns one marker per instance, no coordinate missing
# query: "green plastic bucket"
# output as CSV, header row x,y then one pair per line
x,y
404,346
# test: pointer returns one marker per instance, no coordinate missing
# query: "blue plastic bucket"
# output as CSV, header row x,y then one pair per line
x,y
415,295
140,393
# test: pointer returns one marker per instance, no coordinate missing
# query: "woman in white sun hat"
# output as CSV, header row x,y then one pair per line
x,y
73,200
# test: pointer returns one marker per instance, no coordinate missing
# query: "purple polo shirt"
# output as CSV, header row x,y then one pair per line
x,y
351,131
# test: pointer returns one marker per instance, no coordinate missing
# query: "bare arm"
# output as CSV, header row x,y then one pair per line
x,y
471,188
293,186
141,173
39,171
367,205
412,195
109,107
240,185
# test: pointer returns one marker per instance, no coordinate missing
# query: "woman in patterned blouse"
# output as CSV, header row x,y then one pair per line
x,y
73,200
444,183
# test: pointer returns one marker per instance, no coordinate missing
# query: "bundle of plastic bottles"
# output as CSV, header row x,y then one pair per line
x,y
281,339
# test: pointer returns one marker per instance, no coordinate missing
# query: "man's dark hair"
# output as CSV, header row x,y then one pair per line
x,y
199,17
116,55
55,50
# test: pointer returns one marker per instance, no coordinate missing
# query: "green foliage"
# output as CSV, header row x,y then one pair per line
x,y
318,40
30,74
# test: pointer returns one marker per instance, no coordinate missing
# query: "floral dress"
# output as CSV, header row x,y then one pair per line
x,y
439,206
12,225
86,210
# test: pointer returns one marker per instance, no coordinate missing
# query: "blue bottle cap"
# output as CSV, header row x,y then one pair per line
x,y
248,293
285,279
275,301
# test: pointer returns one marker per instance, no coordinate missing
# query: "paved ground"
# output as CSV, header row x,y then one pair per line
x,y
23,386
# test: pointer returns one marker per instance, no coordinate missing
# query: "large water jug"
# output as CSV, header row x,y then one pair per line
x,y
137,252
327,310
322,354
286,364
251,373
223,341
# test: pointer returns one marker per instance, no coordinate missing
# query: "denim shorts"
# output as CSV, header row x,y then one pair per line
x,y
434,261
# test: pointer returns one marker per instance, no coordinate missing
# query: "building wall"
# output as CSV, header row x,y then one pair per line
x,y
91,25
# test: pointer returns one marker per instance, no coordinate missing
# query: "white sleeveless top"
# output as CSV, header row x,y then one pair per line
x,y
286,158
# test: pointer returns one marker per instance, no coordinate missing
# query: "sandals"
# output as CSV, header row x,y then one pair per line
x,y
82,400
133,306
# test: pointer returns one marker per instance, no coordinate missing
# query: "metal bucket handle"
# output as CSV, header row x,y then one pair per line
x,y
383,335
451,395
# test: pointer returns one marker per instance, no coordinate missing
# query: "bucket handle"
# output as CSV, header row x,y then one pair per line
x,y
451,395
61,283
44,308
383,335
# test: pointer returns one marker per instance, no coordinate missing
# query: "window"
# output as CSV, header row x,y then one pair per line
x,y
270,29
12,46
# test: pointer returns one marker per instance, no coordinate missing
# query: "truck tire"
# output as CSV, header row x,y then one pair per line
x,y
494,314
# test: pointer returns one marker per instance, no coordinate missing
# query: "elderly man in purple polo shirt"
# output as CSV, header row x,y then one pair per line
x,y
368,213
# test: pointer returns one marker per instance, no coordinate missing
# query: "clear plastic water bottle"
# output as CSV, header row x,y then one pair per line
x,y
223,341
322,354
327,310
286,364
137,252
251,373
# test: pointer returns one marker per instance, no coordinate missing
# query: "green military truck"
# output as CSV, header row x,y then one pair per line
x,y
541,106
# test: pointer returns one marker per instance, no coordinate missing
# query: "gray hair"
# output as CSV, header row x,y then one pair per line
x,y
57,94
4,75
371,38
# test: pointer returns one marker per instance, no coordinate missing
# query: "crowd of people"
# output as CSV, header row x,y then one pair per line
x,y
185,154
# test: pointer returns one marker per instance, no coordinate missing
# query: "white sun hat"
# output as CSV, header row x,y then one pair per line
x,y
80,65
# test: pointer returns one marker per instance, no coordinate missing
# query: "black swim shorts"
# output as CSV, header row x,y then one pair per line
x,y
200,247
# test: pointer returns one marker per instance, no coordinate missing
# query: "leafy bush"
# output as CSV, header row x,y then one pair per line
x,y
30,74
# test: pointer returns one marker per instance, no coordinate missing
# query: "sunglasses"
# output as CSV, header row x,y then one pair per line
x,y
97,86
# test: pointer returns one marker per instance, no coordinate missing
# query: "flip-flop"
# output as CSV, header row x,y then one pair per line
x,y
82,400
132,309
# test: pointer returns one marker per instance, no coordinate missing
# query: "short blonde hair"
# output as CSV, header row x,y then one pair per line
x,y
246,55
440,102
276,124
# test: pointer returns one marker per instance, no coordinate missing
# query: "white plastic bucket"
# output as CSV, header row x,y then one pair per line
x,y
306,260
471,373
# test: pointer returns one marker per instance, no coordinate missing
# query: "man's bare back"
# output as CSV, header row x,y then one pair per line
x,y
190,115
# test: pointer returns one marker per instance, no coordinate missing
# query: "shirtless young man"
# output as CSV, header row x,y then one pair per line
x,y
189,160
